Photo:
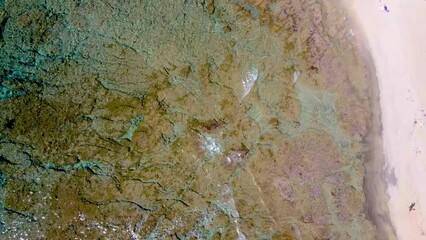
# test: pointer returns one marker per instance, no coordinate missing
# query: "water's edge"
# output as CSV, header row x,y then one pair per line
x,y
375,185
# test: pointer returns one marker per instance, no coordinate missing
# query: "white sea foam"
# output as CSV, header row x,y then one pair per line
x,y
249,79
212,146
295,76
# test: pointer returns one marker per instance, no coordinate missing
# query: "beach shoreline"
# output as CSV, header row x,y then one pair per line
x,y
374,184
374,181
389,34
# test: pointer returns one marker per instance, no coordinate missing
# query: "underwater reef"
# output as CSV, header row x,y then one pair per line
x,y
183,119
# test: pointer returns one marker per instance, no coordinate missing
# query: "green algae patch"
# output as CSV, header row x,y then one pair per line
x,y
134,123
91,166
2,179
5,92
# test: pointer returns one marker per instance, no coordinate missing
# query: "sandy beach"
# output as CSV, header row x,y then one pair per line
x,y
395,38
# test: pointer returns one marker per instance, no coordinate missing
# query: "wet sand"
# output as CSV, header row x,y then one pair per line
x,y
396,43
374,182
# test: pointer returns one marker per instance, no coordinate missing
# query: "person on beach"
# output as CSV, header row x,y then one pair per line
x,y
412,207
384,7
